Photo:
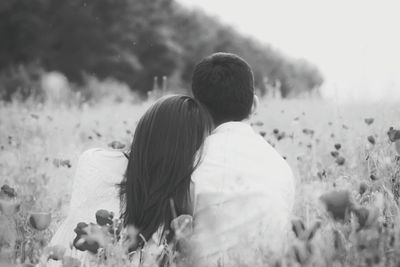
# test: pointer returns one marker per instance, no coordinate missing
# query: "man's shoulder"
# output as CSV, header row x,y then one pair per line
x,y
241,138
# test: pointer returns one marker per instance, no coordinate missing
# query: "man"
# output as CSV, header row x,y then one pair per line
x,y
244,190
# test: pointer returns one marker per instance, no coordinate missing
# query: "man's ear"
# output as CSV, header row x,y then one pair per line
x,y
255,105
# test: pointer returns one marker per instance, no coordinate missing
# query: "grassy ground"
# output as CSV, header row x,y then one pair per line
x,y
40,144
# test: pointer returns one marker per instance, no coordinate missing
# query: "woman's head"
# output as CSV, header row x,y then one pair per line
x,y
162,159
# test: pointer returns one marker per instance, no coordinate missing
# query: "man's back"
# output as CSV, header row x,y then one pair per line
x,y
244,193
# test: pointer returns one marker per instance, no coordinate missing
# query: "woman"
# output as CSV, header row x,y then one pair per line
x,y
164,154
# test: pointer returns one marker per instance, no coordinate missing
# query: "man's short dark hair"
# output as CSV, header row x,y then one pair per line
x,y
224,83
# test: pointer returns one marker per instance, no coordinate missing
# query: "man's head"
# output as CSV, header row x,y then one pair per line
x,y
224,83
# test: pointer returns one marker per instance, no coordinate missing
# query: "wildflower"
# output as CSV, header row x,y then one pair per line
x,y
363,188
89,237
340,160
280,136
369,121
258,123
133,238
34,116
40,220
338,203
308,131
104,217
263,133
362,216
182,226
116,145
373,177
366,217
275,131
338,146
65,163
334,154
7,191
99,135
371,139
393,134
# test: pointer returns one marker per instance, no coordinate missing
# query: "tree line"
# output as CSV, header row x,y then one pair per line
x,y
133,41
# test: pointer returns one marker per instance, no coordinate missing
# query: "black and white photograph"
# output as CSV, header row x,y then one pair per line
x,y
199,133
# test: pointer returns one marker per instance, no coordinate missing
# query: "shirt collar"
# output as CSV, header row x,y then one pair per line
x,y
234,126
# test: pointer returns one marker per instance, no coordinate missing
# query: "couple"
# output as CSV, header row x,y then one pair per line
x,y
202,153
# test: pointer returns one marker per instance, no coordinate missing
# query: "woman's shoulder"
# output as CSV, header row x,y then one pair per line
x,y
110,160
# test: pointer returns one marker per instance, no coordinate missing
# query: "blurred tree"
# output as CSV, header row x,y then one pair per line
x,y
133,41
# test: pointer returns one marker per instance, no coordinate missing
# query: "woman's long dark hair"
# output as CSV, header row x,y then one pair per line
x,y
164,154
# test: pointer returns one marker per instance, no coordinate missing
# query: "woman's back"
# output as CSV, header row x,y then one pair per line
x,y
94,187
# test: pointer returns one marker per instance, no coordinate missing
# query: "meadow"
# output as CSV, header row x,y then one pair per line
x,y
343,156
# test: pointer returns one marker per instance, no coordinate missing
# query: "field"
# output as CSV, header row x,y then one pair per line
x,y
331,147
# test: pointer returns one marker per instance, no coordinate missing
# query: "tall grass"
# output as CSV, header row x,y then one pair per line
x,y
40,145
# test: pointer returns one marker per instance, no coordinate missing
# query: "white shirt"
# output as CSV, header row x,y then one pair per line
x,y
244,191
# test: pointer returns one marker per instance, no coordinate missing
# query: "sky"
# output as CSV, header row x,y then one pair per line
x,y
355,43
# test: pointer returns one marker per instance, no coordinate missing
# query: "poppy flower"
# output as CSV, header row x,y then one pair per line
x,y
373,177
34,116
8,191
340,160
263,133
65,163
334,154
338,203
308,131
337,146
371,139
366,217
116,145
258,123
182,226
280,136
393,134
369,121
104,217
363,188
40,220
90,237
